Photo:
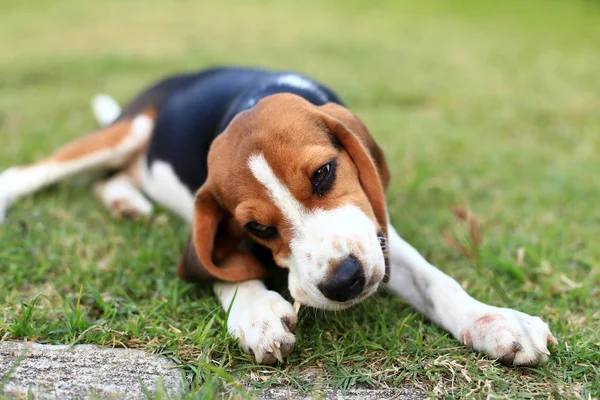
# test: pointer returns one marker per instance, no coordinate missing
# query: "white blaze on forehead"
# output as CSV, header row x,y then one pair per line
x,y
281,195
319,237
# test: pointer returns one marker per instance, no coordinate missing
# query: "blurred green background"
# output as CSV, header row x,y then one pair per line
x,y
489,105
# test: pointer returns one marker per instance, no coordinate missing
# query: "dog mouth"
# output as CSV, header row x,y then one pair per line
x,y
338,306
383,243
320,302
310,296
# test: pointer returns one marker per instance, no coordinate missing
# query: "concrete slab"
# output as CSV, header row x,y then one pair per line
x,y
355,393
31,370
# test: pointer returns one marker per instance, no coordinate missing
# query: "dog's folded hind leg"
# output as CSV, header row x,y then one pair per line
x,y
112,147
122,196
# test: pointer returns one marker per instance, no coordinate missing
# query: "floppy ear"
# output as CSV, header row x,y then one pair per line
x,y
367,156
212,251
370,162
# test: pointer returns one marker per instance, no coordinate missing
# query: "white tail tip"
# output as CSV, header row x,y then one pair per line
x,y
106,109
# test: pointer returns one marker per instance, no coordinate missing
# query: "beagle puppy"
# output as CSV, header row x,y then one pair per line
x,y
257,159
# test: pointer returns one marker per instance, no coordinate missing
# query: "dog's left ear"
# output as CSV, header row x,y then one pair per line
x,y
212,251
367,156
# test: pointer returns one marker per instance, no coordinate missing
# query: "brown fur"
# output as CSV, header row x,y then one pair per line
x,y
100,150
356,139
103,139
106,138
294,136
198,261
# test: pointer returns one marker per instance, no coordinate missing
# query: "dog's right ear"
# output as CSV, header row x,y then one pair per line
x,y
211,251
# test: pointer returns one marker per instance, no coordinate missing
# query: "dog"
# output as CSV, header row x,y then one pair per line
x,y
271,160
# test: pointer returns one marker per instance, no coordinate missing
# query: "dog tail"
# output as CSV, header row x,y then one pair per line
x,y
106,109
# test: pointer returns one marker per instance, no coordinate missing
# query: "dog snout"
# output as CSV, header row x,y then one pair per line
x,y
346,281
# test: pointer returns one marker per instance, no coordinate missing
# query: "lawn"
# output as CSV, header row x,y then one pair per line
x,y
493,107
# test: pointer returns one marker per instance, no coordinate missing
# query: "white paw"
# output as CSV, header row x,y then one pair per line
x,y
263,325
7,184
509,336
123,200
129,210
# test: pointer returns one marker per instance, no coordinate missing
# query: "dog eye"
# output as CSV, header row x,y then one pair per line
x,y
323,178
261,231
321,174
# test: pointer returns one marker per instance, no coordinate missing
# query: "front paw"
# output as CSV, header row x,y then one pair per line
x,y
510,336
264,326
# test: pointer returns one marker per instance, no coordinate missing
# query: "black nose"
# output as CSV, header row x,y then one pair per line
x,y
346,282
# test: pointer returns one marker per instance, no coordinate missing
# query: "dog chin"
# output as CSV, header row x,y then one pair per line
x,y
323,303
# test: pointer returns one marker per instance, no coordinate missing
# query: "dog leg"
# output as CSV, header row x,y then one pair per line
x,y
508,335
162,185
123,199
260,319
111,147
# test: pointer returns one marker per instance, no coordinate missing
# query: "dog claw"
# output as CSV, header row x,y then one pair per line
x,y
551,339
264,328
545,351
278,355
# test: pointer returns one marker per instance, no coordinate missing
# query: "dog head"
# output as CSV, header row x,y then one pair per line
x,y
306,182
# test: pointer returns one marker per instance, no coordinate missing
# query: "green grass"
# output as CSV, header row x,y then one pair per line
x,y
492,105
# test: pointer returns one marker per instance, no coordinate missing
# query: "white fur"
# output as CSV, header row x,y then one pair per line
x,y
321,236
301,82
106,109
121,190
3,207
160,182
332,235
495,331
17,182
141,129
291,209
258,316
258,319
